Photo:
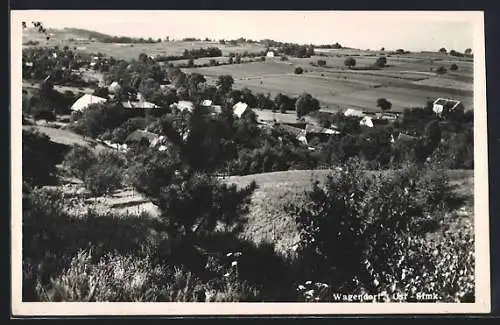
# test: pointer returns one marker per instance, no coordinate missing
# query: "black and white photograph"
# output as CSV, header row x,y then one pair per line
x,y
272,162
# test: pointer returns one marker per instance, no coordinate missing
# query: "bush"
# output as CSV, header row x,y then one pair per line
x,y
106,175
40,157
441,70
321,63
349,228
453,67
298,70
381,62
350,62
78,160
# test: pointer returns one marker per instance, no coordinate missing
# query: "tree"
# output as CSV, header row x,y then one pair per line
x,y
107,174
453,67
468,51
190,63
78,160
443,50
350,62
194,81
225,83
384,104
298,70
441,70
39,158
321,63
101,92
381,62
433,134
305,104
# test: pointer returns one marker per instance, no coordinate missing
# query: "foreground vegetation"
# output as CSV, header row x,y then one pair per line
x,y
383,221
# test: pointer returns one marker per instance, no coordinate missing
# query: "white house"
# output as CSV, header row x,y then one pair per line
x,y
183,105
442,104
366,121
240,108
85,101
353,112
139,104
114,87
270,54
206,103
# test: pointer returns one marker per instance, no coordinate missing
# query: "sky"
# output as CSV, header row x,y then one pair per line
x,y
414,31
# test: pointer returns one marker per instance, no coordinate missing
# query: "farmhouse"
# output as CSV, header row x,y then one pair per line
x,y
353,112
139,105
319,132
114,87
183,105
298,133
366,121
85,101
443,105
206,103
240,108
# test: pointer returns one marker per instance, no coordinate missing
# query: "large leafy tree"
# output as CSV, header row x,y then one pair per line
x,y
305,104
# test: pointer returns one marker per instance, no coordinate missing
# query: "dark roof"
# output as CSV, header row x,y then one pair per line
x,y
290,129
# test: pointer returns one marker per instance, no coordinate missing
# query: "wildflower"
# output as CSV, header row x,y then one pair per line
x,y
375,282
309,293
301,287
308,282
227,274
238,254
234,263
229,254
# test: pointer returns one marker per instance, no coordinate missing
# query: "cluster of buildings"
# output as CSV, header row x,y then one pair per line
x,y
304,129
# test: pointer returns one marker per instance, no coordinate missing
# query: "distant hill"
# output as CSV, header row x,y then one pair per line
x,y
85,33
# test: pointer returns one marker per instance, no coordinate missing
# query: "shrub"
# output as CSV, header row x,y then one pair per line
x,y
349,228
381,62
321,63
453,67
350,62
111,278
78,160
441,70
106,175
298,70
39,158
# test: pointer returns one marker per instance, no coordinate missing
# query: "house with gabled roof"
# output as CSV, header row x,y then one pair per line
x,y
443,105
240,108
85,101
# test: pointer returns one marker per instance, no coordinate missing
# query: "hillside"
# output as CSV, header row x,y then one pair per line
x,y
267,220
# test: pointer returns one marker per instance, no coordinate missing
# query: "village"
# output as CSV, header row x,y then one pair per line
x,y
184,169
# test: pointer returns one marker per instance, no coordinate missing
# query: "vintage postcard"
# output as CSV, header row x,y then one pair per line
x,y
248,163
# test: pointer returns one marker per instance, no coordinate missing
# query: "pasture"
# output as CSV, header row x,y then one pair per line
x,y
406,82
130,51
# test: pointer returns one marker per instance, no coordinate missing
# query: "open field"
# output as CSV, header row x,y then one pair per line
x,y
65,137
406,84
75,90
130,51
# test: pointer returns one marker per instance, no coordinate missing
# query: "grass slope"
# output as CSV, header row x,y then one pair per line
x,y
267,220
